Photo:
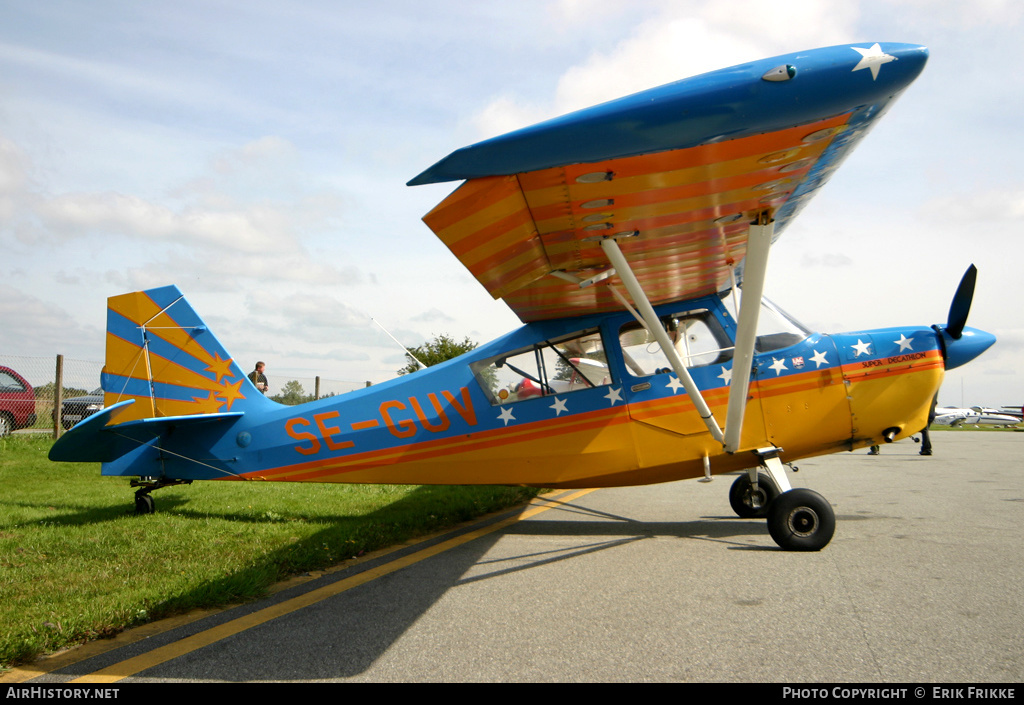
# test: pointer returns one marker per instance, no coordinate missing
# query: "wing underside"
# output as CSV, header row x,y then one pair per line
x,y
678,198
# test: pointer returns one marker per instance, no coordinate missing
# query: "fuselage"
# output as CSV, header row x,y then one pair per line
x,y
578,402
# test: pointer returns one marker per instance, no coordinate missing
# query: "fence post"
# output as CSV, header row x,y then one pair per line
x,y
58,398
316,388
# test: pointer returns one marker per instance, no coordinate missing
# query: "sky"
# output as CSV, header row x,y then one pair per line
x,y
255,154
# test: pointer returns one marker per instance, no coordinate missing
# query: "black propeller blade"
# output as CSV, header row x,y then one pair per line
x,y
961,305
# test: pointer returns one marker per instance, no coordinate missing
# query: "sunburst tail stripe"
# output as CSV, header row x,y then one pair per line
x,y
171,379
121,350
145,311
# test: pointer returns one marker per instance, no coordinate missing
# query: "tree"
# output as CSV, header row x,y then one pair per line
x,y
292,393
442,347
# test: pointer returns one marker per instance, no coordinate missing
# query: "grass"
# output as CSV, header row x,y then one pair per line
x,y
76,564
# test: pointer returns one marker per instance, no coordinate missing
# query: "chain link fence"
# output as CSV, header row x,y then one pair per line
x,y
297,390
31,387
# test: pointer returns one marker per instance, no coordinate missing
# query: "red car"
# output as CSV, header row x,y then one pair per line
x,y
17,402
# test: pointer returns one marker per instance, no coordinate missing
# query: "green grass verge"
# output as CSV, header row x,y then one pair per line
x,y
76,564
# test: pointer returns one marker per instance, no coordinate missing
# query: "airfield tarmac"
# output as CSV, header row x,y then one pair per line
x,y
922,583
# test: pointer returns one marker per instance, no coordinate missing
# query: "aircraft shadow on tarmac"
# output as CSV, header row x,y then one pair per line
x,y
346,634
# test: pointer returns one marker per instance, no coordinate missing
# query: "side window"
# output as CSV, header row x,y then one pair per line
x,y
560,366
8,382
697,335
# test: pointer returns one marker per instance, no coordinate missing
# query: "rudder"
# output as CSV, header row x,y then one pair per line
x,y
161,354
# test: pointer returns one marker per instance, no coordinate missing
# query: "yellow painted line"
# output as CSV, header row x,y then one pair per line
x,y
124,669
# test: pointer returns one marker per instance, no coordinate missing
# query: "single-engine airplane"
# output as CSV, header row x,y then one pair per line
x,y
632,240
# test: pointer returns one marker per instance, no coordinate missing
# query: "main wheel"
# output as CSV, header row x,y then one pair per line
x,y
801,520
741,495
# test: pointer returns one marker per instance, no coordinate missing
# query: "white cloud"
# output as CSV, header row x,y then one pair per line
x,y
677,40
30,326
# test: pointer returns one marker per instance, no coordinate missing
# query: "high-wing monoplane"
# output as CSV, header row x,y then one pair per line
x,y
632,240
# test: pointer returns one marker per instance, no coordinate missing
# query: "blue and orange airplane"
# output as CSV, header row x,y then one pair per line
x,y
619,235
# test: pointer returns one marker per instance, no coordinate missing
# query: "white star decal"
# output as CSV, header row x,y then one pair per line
x,y
559,406
905,343
506,416
674,384
726,375
861,348
778,366
872,59
613,396
819,359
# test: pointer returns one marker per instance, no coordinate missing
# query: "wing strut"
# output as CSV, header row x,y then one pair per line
x,y
759,240
653,325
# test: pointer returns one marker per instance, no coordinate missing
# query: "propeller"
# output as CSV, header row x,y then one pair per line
x,y
961,305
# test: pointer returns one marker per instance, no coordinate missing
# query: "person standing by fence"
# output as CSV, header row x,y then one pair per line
x,y
258,378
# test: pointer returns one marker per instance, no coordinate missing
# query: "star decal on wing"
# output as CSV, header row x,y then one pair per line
x,y
778,366
905,343
506,415
674,384
559,406
861,348
819,359
872,59
613,395
726,375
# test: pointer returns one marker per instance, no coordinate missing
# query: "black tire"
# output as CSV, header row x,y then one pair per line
x,y
144,504
741,496
801,520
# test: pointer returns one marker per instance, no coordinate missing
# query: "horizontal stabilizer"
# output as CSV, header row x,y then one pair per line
x,y
94,441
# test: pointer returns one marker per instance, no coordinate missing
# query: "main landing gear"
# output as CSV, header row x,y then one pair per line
x,y
798,519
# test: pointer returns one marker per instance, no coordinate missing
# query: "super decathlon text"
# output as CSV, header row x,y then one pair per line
x,y
910,357
53,693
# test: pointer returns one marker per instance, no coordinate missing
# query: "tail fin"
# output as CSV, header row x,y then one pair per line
x,y
161,355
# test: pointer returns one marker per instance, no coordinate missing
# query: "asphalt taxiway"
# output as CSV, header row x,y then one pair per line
x,y
922,583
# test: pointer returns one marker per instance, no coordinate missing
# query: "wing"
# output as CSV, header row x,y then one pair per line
x,y
675,173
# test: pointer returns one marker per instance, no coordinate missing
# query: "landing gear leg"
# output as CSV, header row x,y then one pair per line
x,y
751,493
798,519
801,520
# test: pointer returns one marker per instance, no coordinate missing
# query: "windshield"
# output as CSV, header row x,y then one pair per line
x,y
775,328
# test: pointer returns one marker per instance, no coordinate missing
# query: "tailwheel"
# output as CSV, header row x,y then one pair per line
x,y
801,520
144,504
749,504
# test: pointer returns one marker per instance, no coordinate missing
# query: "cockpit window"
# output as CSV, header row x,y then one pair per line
x,y
560,366
697,336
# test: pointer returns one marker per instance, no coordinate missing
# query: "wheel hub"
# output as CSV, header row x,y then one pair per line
x,y
803,521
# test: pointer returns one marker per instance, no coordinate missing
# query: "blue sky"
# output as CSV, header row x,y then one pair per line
x,y
255,154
